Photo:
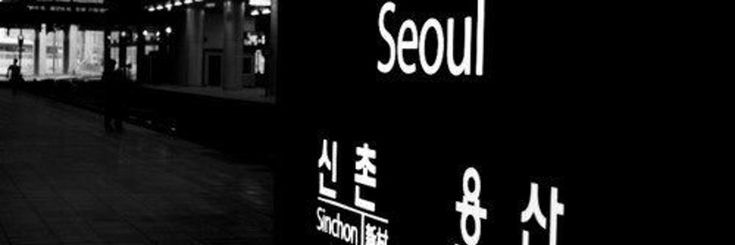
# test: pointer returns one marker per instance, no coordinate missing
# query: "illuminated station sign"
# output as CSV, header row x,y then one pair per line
x,y
409,136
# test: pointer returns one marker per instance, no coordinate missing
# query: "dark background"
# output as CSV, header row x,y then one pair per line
x,y
573,96
531,117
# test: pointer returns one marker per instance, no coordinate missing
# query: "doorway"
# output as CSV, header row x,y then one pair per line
x,y
213,68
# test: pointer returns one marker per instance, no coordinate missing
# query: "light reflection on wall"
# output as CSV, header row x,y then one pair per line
x,y
85,51
9,49
90,58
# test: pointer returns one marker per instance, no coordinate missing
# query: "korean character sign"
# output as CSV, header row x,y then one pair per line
x,y
469,207
328,161
354,221
548,223
474,213
364,175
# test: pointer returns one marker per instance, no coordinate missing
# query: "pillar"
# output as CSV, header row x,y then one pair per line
x,y
36,49
55,58
194,45
65,67
141,75
106,50
233,13
73,47
271,62
39,52
122,48
20,48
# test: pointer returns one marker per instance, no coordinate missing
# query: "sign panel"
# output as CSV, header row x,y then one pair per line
x,y
408,127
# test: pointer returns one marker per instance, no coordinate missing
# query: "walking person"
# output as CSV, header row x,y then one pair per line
x,y
15,78
116,87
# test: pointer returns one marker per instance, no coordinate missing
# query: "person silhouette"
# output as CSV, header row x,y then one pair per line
x,y
116,88
15,78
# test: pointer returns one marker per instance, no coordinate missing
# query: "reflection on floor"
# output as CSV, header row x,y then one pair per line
x,y
63,180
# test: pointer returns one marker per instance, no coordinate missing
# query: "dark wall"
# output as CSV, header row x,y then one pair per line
x,y
525,120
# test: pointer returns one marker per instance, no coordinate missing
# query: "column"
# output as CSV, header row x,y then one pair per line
x,y
122,47
106,50
271,62
36,49
73,47
55,58
142,74
65,67
233,12
39,51
194,44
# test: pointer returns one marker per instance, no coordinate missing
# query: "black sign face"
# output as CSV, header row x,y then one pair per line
x,y
424,122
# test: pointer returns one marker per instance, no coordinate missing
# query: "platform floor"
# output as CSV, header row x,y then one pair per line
x,y
245,94
64,180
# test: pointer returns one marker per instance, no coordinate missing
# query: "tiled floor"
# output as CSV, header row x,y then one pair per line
x,y
63,180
